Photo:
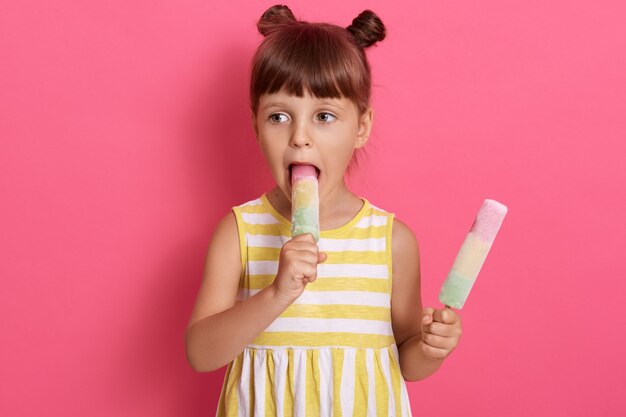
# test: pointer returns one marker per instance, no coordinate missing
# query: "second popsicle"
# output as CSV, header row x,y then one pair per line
x,y
472,254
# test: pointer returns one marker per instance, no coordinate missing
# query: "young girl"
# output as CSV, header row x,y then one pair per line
x,y
327,329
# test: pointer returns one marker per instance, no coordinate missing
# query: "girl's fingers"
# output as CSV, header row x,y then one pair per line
x,y
439,342
441,329
304,246
434,352
427,316
445,315
305,237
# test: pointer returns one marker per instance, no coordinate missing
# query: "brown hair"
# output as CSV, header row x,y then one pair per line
x,y
325,59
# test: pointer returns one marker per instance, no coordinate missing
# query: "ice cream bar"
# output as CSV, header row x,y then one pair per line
x,y
305,203
472,254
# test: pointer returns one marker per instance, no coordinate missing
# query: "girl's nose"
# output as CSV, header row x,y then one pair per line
x,y
300,138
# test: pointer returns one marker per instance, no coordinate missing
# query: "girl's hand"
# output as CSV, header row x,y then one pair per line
x,y
297,266
441,331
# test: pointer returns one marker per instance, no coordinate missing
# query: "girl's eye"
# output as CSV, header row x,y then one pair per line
x,y
326,117
278,117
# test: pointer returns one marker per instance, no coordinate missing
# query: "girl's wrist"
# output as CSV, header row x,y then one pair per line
x,y
278,297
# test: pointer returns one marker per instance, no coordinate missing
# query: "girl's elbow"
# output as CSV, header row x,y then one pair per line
x,y
195,364
410,378
197,361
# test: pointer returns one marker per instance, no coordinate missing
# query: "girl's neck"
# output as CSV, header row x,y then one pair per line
x,y
336,209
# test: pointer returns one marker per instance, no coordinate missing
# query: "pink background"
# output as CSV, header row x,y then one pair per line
x,y
125,136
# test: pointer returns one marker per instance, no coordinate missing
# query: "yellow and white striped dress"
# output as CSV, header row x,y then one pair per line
x,y
332,352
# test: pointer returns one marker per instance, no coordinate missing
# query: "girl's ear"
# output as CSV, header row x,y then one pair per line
x,y
365,127
254,126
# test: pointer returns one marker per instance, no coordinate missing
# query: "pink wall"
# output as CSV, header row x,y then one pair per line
x,y
121,124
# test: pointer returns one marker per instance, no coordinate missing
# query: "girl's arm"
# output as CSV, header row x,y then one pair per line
x,y
219,328
421,353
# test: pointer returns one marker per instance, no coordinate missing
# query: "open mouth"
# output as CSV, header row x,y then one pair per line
x,y
317,170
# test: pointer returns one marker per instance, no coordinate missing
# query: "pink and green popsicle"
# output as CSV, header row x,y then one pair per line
x,y
305,203
472,254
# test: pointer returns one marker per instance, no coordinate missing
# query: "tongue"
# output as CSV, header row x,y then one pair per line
x,y
302,171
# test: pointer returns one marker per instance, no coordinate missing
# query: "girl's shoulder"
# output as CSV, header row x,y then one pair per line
x,y
401,231
250,203
404,245
403,240
376,211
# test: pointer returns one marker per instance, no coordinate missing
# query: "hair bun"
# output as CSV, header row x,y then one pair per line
x,y
367,28
275,17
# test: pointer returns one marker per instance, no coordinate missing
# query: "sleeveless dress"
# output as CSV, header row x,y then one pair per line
x,y
332,352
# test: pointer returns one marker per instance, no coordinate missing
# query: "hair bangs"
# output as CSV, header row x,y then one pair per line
x,y
313,60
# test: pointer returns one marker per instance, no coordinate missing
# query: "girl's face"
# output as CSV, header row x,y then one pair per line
x,y
307,130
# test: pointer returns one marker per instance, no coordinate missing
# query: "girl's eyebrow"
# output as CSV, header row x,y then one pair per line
x,y
330,103
274,104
